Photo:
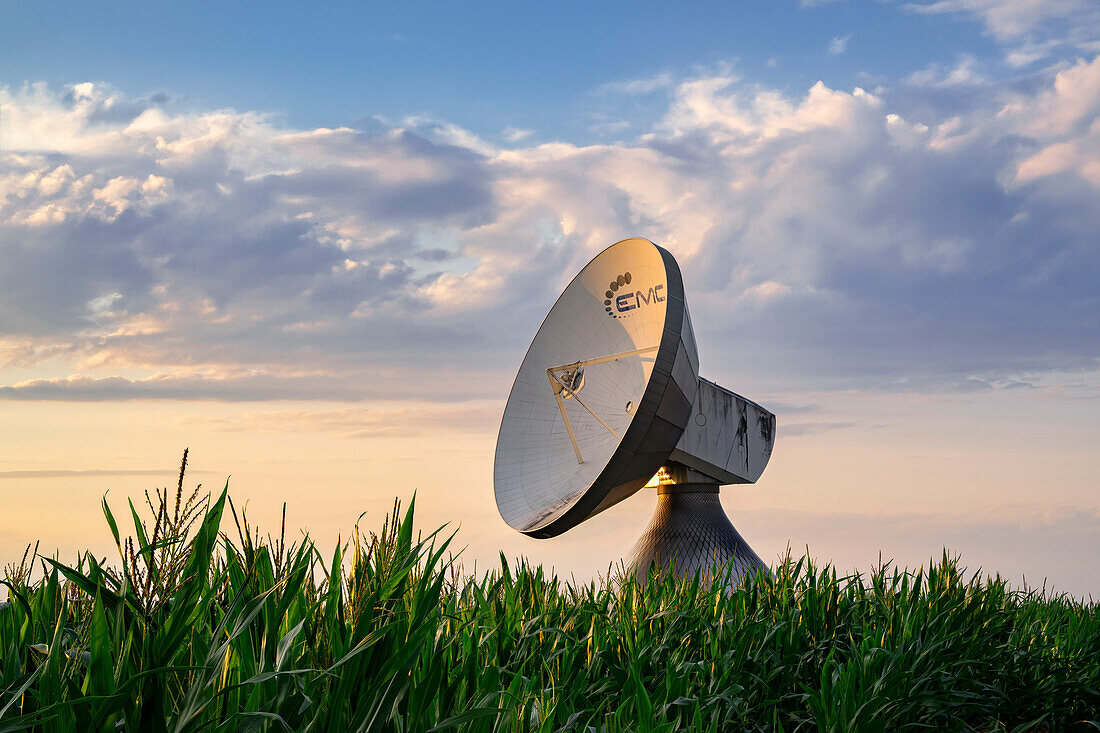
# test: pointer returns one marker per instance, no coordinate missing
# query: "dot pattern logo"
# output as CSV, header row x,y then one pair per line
x,y
618,282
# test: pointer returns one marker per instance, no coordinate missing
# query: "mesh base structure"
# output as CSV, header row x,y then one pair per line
x,y
690,532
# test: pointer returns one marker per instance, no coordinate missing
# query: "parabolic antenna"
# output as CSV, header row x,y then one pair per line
x,y
608,399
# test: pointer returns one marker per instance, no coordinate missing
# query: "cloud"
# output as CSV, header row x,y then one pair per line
x,y
609,128
1030,29
838,45
813,428
194,224
254,387
1029,52
636,87
965,73
782,407
516,134
933,235
86,472
1066,119
360,422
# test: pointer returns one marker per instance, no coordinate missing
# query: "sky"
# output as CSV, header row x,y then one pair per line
x,y
312,244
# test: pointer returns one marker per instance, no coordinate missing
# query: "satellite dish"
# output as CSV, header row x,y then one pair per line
x,y
608,400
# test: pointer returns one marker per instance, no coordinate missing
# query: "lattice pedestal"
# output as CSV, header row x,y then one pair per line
x,y
689,531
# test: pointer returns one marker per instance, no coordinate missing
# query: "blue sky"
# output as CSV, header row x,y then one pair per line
x,y
485,66
312,244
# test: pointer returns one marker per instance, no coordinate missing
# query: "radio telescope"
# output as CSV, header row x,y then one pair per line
x,y
608,400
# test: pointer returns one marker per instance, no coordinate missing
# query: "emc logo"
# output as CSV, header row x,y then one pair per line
x,y
619,306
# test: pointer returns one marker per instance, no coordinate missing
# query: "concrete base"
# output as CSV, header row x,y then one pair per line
x,y
690,532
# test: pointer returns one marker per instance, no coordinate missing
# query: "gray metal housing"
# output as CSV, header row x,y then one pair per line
x,y
729,438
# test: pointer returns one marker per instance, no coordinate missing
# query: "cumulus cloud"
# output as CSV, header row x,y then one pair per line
x,y
193,224
930,233
1066,119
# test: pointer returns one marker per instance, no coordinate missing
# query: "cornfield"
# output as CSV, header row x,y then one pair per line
x,y
192,629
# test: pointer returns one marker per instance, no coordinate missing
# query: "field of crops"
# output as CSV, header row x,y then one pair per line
x,y
189,629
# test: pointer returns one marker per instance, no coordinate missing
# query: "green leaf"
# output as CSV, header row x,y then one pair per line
x,y
111,521
466,717
99,679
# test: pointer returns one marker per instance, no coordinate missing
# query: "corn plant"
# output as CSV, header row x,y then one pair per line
x,y
194,629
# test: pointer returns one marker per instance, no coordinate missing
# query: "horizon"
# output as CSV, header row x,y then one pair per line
x,y
313,245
